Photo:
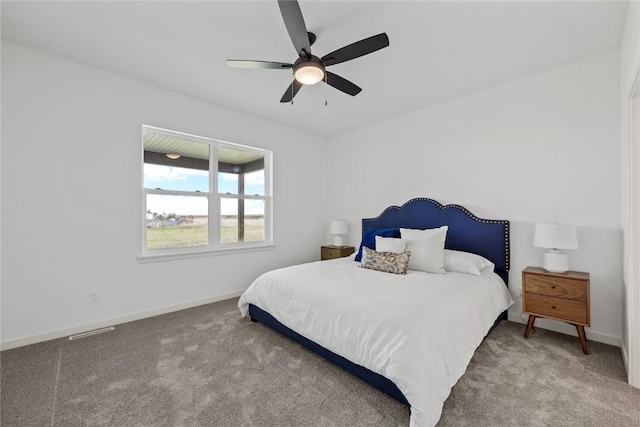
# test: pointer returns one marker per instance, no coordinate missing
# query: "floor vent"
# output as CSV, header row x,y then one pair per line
x,y
88,334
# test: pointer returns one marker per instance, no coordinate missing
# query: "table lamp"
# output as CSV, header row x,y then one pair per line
x,y
338,228
555,237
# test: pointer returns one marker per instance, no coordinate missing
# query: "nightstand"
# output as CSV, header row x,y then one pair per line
x,y
559,296
333,252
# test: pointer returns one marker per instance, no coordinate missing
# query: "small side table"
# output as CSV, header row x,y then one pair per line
x,y
333,252
560,296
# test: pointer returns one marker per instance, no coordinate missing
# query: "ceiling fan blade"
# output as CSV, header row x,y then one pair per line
x,y
291,91
293,20
241,63
342,84
357,49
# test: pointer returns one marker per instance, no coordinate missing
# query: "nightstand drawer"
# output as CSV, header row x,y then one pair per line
x,y
556,287
562,309
333,252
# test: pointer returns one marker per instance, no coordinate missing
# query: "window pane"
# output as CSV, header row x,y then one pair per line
x,y
173,163
254,220
173,178
228,220
241,220
240,171
227,183
254,183
176,221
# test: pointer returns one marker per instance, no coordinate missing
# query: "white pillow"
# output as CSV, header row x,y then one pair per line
x,y
465,262
426,247
390,244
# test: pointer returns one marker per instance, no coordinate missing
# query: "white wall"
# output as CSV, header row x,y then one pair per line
x,y
71,197
540,149
629,68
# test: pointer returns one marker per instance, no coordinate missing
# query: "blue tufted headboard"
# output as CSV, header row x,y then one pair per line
x,y
467,232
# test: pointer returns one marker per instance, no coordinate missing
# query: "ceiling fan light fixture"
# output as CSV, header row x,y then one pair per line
x,y
309,72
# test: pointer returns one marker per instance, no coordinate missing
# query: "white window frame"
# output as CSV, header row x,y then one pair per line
x,y
215,246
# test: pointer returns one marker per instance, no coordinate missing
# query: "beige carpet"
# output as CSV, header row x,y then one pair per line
x,y
209,367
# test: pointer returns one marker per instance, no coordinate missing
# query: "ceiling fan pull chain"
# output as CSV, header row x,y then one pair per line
x,y
326,95
294,76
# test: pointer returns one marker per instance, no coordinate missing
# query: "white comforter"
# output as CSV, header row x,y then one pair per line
x,y
419,330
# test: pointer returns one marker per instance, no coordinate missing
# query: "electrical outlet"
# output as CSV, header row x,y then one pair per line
x,y
94,296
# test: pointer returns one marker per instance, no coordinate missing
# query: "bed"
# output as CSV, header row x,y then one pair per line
x,y
411,336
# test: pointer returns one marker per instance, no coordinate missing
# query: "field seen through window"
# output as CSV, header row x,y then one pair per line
x,y
185,231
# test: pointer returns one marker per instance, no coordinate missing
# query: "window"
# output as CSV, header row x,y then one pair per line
x,y
201,195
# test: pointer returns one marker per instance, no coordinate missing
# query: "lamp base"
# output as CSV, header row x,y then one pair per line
x,y
556,261
337,240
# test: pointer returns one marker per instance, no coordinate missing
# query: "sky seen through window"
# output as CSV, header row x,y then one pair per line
x,y
184,179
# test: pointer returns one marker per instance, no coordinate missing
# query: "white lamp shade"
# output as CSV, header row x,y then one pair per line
x,y
339,227
309,74
555,236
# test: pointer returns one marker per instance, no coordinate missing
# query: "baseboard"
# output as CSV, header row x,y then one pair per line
x,y
625,358
61,333
565,328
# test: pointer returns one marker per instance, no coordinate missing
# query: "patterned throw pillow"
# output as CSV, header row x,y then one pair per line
x,y
385,261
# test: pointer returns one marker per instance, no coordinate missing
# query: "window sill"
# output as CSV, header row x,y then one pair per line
x,y
170,256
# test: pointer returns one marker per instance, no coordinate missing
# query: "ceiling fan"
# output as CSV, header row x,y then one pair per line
x,y
309,69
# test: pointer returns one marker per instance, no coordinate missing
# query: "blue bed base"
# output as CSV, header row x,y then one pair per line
x,y
486,237
376,380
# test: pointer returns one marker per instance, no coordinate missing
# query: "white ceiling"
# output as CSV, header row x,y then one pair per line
x,y
438,50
